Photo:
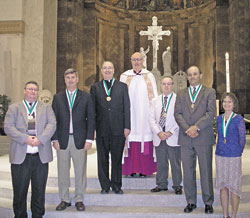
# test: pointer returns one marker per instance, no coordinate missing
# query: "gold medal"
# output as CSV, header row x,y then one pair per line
x,y
225,141
164,114
108,98
192,106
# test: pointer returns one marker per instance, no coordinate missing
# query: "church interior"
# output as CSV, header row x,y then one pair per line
x,y
40,39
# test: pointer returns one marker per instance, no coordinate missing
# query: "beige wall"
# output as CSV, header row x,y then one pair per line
x,y
28,55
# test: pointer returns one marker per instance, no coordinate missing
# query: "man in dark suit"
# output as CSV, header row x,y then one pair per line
x,y
30,125
112,109
194,112
75,131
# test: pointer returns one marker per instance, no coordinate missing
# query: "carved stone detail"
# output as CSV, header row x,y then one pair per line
x,y
12,27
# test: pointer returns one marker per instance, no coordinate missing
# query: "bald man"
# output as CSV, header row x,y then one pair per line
x,y
142,89
112,118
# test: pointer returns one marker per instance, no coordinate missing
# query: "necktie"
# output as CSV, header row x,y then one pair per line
x,y
162,120
194,91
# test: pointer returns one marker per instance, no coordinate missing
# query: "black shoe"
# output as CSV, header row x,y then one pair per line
x,y
132,174
142,175
80,206
209,209
103,191
178,191
62,206
118,191
189,208
157,189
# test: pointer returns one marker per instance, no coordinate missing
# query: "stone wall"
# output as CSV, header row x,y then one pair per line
x,y
27,50
76,42
89,35
91,32
191,40
239,23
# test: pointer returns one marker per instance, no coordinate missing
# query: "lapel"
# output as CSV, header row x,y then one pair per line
x,y
199,97
103,89
187,98
113,88
24,112
77,99
65,100
158,107
38,111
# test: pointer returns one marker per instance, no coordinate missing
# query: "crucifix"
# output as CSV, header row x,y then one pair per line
x,y
155,34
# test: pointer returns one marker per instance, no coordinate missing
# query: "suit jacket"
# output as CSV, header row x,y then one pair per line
x,y
171,125
82,118
201,115
16,127
111,116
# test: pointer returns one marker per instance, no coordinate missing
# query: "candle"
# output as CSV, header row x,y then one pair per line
x,y
227,72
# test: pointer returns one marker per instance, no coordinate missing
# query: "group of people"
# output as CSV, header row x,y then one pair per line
x,y
130,119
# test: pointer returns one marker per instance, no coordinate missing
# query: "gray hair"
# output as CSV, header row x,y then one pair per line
x,y
71,71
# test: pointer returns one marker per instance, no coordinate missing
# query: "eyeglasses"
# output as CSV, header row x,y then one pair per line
x,y
167,84
31,89
136,59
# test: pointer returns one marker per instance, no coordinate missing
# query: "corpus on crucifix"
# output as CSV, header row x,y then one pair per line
x,y
155,34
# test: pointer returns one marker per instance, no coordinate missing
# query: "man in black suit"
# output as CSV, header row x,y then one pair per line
x,y
112,109
75,131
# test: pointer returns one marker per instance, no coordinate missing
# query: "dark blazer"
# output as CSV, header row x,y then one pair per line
x,y
201,115
111,116
82,117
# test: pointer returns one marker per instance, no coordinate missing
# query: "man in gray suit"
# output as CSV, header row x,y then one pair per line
x,y
30,125
194,112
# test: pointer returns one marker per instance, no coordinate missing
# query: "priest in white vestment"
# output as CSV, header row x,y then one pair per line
x,y
138,152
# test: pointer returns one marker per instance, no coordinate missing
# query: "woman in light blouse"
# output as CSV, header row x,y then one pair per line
x,y
231,142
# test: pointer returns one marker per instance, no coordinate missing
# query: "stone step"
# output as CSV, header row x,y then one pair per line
x,y
154,211
135,197
127,183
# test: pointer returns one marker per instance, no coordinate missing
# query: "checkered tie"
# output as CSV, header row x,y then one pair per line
x,y
162,120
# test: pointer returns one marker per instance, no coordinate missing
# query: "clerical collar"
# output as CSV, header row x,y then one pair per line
x,y
108,80
137,73
109,83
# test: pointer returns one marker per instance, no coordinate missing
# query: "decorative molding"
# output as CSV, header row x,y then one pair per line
x,y
12,27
